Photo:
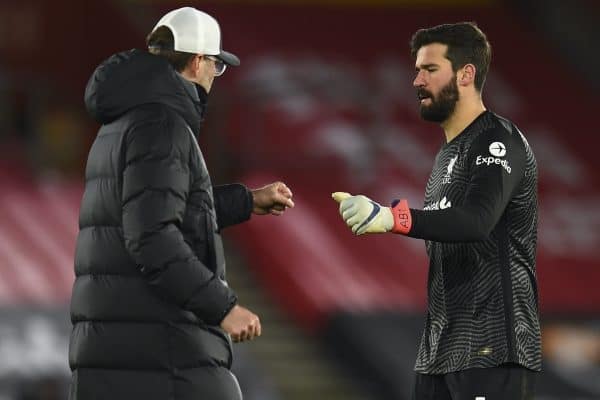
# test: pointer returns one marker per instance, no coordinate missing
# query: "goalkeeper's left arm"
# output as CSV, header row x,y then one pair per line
x,y
363,215
486,196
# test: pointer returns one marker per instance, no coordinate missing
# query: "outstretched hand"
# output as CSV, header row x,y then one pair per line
x,y
273,199
362,214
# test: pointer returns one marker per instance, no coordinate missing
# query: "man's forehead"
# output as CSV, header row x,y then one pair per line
x,y
434,53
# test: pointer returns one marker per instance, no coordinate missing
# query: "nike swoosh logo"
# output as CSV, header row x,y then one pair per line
x,y
375,211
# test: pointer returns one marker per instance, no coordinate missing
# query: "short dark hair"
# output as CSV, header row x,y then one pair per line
x,y
161,43
467,44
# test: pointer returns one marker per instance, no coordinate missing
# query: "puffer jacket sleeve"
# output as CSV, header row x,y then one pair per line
x,y
156,180
233,203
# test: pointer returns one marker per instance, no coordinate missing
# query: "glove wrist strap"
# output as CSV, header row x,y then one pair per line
x,y
402,217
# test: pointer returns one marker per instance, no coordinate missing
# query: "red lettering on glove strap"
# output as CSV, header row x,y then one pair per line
x,y
402,218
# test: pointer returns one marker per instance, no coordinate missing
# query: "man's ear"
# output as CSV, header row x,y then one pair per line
x,y
466,75
193,66
197,63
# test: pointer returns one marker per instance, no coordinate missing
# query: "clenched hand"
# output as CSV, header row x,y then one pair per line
x,y
242,324
272,199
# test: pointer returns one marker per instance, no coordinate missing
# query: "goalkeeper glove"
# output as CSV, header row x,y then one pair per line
x,y
363,215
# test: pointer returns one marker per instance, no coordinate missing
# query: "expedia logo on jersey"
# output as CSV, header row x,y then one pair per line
x,y
498,150
441,205
446,179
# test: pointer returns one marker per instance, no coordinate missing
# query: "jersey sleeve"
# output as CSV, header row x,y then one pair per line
x,y
496,160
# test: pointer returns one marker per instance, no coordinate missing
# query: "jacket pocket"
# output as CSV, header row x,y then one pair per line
x,y
196,233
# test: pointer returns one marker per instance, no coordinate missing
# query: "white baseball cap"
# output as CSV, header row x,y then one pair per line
x,y
196,32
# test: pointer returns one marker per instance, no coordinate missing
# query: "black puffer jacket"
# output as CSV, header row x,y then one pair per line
x,y
150,287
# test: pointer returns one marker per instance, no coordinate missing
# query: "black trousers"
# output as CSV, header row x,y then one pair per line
x,y
508,381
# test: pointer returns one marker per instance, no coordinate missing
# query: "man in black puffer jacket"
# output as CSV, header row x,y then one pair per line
x,y
153,316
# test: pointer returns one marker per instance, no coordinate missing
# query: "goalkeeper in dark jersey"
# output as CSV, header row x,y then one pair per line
x,y
482,334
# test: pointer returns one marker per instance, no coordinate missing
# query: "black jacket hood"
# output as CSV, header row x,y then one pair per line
x,y
136,77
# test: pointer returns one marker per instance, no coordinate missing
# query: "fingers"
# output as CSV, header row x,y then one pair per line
x,y
283,189
279,208
252,330
274,197
353,221
340,196
348,210
345,205
362,230
283,194
247,334
280,199
289,203
350,215
240,336
258,327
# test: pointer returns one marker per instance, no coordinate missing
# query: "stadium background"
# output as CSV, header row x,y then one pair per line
x,y
323,101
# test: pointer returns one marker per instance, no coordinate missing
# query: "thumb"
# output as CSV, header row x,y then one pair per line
x,y
340,196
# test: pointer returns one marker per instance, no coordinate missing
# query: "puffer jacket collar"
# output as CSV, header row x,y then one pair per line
x,y
135,77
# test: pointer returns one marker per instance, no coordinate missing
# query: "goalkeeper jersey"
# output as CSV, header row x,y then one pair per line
x,y
480,226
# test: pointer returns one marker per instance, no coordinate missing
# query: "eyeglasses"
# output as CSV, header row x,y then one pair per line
x,y
220,66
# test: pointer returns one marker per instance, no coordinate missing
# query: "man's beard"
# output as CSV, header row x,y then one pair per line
x,y
442,106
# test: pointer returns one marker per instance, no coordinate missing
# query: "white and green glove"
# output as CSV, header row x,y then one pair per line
x,y
363,215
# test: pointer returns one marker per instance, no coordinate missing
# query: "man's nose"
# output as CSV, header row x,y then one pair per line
x,y
419,81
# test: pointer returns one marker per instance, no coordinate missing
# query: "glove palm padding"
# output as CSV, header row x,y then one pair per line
x,y
363,215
